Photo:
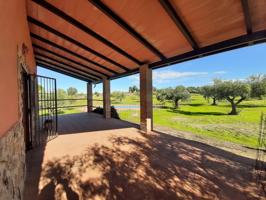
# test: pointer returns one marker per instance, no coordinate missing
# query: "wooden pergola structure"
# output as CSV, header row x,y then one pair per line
x,y
97,41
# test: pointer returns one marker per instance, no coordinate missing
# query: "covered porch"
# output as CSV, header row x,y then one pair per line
x,y
98,157
95,158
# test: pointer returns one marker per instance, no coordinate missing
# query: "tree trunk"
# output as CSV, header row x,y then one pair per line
x,y
233,111
176,104
214,102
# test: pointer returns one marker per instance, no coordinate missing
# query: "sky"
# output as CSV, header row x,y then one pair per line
x,y
231,65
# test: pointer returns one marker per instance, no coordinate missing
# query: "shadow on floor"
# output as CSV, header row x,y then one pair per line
x,y
156,166
33,173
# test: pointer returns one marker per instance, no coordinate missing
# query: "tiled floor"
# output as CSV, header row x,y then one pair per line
x,y
94,158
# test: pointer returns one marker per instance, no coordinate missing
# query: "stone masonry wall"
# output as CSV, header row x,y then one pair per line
x,y
12,145
12,163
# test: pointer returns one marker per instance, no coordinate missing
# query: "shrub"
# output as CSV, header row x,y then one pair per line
x,y
114,113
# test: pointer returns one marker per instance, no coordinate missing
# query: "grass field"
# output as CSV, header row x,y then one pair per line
x,y
97,102
62,111
199,117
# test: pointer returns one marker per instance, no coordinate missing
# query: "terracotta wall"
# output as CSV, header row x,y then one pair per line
x,y
13,33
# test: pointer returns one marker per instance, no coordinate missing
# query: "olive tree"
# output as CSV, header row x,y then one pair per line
x,y
209,91
97,94
71,91
161,95
234,92
133,89
195,90
258,85
173,94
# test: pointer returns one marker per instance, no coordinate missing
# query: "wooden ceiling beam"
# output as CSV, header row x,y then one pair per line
x,y
33,35
234,43
84,28
63,71
67,65
112,15
68,59
247,16
179,23
231,44
71,40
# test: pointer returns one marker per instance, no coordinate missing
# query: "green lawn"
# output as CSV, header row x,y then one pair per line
x,y
130,99
199,117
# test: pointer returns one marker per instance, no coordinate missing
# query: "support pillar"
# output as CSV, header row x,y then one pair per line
x,y
146,123
106,98
89,97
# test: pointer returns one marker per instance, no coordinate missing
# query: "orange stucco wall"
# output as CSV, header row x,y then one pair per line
x,y
13,32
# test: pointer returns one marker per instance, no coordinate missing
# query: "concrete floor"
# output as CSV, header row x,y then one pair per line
x,y
94,158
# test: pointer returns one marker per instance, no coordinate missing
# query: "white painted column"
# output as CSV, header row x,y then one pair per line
x,y
146,121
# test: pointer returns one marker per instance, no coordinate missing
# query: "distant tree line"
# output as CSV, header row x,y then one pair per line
x,y
70,93
117,95
232,91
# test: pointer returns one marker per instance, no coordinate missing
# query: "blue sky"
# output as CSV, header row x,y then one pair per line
x,y
236,64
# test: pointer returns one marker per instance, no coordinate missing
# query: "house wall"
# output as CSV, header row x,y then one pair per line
x,y
15,53
14,32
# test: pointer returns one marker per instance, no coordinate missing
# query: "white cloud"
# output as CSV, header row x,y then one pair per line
x,y
168,75
165,76
220,72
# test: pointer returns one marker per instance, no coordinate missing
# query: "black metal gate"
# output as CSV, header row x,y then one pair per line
x,y
47,109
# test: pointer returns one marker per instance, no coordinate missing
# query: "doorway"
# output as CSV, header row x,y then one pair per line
x,y
26,110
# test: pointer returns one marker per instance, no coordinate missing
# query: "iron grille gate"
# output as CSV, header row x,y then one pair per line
x,y
46,109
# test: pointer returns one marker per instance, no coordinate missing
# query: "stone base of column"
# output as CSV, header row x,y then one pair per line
x,y
146,126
